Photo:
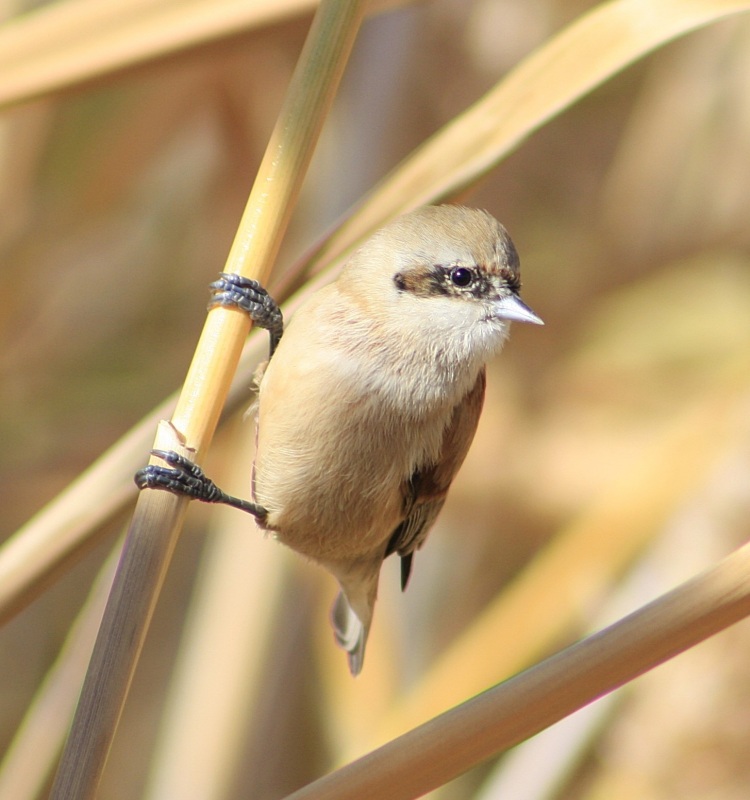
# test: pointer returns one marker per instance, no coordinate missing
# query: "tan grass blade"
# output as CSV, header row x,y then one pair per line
x,y
449,745
65,43
581,57
55,538
582,562
681,549
30,760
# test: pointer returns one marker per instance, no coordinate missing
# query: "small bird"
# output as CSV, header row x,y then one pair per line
x,y
371,399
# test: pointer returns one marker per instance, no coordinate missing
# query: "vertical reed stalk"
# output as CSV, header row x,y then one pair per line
x,y
158,516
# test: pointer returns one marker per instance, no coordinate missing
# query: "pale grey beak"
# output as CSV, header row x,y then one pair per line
x,y
513,308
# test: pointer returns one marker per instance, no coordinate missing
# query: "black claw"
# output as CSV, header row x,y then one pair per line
x,y
234,291
188,479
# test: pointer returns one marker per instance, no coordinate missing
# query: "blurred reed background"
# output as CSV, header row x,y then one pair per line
x,y
611,462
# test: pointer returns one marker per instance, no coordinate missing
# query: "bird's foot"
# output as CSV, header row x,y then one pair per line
x,y
187,478
235,291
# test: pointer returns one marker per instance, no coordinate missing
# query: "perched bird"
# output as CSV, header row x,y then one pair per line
x,y
369,404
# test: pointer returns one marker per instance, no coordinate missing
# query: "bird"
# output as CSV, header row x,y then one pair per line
x,y
371,398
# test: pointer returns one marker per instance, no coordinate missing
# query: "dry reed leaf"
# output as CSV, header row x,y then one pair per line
x,y
66,43
484,726
56,535
73,41
29,761
577,60
687,131
581,562
54,538
697,535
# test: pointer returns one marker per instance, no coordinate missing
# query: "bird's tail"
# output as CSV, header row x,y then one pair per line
x,y
351,615
350,633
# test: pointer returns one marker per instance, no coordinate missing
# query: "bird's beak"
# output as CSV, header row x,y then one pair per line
x,y
513,308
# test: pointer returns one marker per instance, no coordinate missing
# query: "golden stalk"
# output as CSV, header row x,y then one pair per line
x,y
158,516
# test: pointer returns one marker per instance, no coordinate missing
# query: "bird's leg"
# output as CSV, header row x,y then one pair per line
x,y
187,478
183,476
234,291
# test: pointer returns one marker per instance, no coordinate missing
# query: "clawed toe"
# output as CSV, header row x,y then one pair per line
x,y
236,291
186,478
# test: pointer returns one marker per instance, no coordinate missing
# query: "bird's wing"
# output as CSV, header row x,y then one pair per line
x,y
425,491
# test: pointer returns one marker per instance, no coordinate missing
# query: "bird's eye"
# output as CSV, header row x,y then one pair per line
x,y
461,276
